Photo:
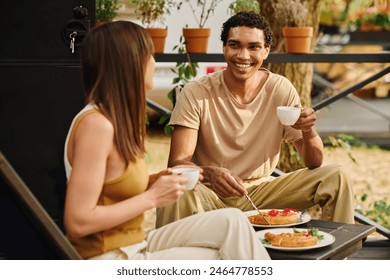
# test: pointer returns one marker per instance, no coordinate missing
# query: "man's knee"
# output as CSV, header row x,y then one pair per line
x,y
338,169
335,172
337,177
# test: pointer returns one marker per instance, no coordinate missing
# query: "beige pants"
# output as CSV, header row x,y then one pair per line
x,y
221,234
327,186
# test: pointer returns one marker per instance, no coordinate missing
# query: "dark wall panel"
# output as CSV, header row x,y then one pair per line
x,y
34,30
36,108
40,92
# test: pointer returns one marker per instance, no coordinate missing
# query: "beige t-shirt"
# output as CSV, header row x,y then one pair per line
x,y
245,138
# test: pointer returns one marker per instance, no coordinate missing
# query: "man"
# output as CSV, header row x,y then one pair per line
x,y
227,124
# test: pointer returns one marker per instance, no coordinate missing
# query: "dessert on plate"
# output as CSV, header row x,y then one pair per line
x,y
296,238
276,217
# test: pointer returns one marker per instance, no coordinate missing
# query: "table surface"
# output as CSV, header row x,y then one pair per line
x,y
349,239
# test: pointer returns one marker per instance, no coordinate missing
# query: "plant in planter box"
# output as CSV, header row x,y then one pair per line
x,y
370,19
292,14
106,10
196,39
152,13
244,5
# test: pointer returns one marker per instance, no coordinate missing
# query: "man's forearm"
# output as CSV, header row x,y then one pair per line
x,y
312,149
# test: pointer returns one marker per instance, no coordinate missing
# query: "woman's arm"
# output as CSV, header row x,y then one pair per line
x,y
92,146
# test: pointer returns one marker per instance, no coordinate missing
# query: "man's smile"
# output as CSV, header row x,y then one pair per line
x,y
243,65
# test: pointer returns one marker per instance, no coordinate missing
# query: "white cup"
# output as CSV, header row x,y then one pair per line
x,y
192,174
288,115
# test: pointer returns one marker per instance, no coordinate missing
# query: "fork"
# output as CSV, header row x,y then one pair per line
x,y
251,202
257,209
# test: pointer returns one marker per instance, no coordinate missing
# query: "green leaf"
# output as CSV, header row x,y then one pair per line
x,y
265,241
168,130
182,70
187,73
164,118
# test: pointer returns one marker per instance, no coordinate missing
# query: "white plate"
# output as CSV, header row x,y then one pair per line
x,y
305,217
327,240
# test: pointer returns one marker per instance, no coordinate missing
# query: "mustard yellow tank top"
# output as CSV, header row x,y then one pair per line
x,y
134,181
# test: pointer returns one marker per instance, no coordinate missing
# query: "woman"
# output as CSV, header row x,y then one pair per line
x,y
109,188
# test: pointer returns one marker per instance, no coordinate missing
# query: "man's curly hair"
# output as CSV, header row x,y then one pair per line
x,y
249,19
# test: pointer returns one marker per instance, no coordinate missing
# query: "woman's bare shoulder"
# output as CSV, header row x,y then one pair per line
x,y
95,123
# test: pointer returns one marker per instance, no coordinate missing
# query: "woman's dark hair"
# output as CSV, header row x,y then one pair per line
x,y
249,19
114,57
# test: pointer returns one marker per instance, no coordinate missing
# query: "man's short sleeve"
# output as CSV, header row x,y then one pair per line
x,y
187,108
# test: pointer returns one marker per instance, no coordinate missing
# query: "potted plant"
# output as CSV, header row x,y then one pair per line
x,y
106,10
244,5
196,39
368,16
368,23
297,36
372,21
152,14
